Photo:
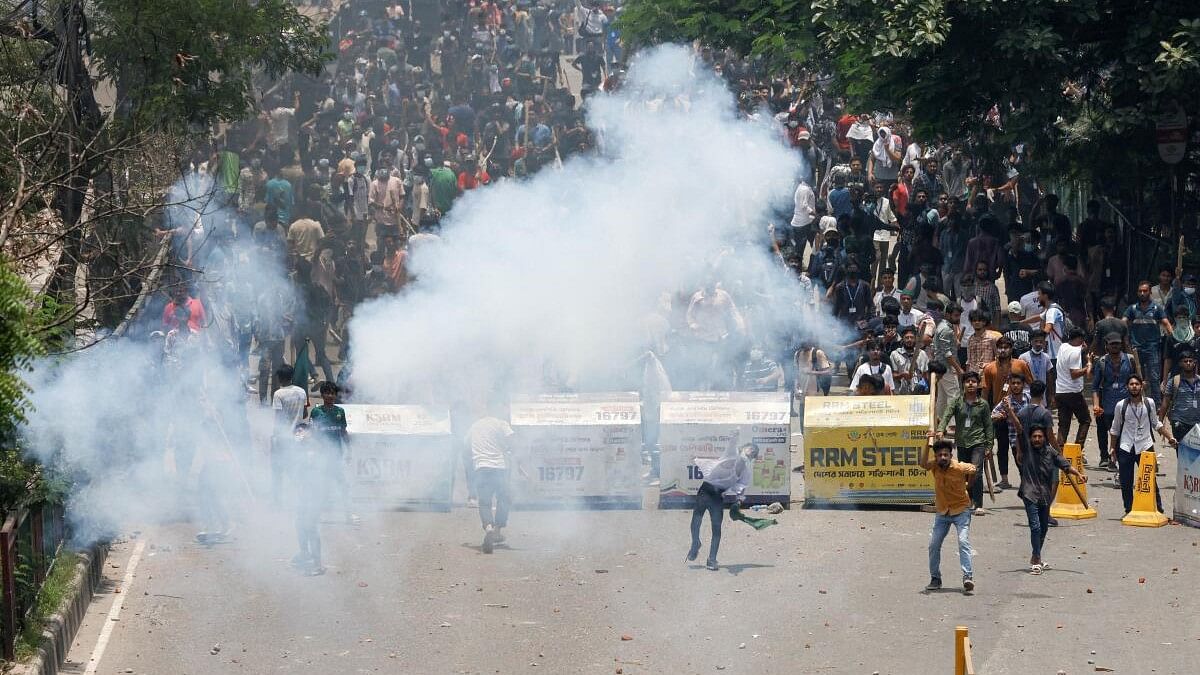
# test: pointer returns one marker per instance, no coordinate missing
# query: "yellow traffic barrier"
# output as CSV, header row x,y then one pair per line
x,y
1145,506
1071,502
962,652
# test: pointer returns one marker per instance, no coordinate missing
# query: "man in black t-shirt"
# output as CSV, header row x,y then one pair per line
x,y
591,65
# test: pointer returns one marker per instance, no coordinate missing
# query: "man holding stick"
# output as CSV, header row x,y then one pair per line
x,y
1036,460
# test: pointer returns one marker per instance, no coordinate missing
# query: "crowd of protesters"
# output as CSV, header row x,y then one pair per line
x,y
934,262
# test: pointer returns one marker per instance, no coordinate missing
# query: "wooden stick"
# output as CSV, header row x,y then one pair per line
x,y
1071,482
987,478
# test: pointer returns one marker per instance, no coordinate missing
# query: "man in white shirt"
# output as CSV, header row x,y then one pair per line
x,y
491,456
885,239
887,289
1131,435
288,402
874,366
1074,364
805,212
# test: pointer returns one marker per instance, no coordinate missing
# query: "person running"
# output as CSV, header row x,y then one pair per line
x,y
1037,460
310,466
289,403
329,426
953,507
725,479
490,440
973,431
1132,435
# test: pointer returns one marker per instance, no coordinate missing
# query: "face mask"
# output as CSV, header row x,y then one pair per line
x,y
1037,350
756,355
429,161
1028,248
1189,290
1183,332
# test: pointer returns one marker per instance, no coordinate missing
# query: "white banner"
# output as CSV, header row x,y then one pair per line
x,y
700,424
400,456
1187,487
583,448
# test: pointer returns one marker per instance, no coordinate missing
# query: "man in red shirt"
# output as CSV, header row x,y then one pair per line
x,y
196,319
472,176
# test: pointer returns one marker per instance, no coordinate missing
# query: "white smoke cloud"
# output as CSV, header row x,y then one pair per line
x,y
567,266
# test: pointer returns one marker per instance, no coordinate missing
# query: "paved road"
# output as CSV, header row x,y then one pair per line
x,y
825,591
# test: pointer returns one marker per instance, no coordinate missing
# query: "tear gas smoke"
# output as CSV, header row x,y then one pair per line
x,y
567,271
107,414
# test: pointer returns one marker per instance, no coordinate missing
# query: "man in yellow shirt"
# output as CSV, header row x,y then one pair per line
x,y
953,507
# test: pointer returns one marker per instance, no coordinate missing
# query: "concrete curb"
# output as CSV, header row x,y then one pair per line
x,y
62,626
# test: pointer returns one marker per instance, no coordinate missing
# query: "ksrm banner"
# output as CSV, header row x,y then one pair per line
x,y
577,450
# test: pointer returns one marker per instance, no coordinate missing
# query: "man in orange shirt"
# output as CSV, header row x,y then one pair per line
x,y
953,506
196,317
995,387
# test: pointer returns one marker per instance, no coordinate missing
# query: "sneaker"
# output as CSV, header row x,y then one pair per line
x,y
968,584
489,539
315,571
1053,521
712,565
1004,484
692,553
980,511
472,503
935,583
499,537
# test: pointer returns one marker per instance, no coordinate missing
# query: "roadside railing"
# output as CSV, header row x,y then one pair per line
x,y
30,538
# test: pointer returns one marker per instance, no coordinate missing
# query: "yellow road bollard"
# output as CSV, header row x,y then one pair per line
x,y
962,652
1071,502
1145,507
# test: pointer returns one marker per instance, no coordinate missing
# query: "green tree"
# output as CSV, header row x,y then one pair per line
x,y
778,30
90,83
1078,82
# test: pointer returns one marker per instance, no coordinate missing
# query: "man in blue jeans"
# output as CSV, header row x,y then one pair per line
x,y
1037,459
953,506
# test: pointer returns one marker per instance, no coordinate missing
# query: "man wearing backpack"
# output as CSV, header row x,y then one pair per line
x,y
1134,422
1144,320
1109,376
1181,396
1053,321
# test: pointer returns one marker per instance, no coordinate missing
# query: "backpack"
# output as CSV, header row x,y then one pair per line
x,y
1124,406
1068,325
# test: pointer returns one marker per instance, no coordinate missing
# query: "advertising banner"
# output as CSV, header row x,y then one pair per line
x,y
866,450
401,456
577,450
1187,487
700,424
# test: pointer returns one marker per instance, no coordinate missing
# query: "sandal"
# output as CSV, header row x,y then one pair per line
x,y
1035,569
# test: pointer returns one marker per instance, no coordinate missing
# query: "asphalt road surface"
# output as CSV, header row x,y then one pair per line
x,y
610,592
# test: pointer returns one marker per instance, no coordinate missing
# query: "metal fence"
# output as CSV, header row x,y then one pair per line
x,y
30,538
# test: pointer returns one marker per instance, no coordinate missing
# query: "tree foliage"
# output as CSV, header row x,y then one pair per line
x,y
195,60
780,31
1075,80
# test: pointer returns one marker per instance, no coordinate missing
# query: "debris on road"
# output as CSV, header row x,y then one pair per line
x,y
216,649
626,637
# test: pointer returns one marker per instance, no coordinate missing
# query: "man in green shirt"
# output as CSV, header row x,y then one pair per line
x,y
443,188
973,432
328,422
